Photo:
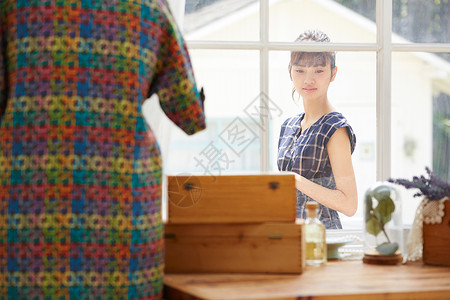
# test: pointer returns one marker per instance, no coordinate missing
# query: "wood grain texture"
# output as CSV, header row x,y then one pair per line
x,y
336,280
436,240
249,248
232,199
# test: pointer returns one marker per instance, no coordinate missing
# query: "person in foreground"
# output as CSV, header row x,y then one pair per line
x,y
317,144
80,170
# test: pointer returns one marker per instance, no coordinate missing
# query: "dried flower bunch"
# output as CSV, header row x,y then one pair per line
x,y
432,188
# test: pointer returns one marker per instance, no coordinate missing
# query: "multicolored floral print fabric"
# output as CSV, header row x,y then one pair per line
x,y
80,170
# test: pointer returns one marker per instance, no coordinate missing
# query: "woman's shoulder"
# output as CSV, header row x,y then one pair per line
x,y
336,120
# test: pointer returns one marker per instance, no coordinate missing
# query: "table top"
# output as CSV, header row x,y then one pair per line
x,y
335,280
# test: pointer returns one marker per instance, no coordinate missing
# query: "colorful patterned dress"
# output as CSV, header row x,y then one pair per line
x,y
80,170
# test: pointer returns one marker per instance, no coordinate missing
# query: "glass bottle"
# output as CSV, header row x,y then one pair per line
x,y
316,247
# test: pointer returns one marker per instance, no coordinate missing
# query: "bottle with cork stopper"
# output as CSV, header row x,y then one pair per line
x,y
316,246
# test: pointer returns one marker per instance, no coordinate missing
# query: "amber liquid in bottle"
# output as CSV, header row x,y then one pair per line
x,y
316,247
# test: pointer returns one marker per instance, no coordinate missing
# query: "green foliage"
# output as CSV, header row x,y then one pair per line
x,y
373,226
384,210
377,217
416,20
441,136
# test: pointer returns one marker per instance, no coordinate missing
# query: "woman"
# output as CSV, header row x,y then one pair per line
x,y
317,144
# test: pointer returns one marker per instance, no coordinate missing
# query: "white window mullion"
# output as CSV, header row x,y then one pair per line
x,y
284,46
422,47
264,86
383,111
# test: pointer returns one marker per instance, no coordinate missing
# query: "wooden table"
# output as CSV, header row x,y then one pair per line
x,y
336,280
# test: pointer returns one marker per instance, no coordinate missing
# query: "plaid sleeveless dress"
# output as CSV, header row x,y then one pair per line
x,y
305,153
80,170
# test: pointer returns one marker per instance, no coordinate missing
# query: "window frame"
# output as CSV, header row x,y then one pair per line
x,y
383,49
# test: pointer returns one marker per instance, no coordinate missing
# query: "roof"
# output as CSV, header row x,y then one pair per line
x,y
214,12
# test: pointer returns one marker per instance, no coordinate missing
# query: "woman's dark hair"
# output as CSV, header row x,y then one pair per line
x,y
313,58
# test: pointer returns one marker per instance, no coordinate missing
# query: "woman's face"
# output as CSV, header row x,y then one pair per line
x,y
311,79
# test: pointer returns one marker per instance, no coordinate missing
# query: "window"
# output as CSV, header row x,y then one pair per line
x,y
393,85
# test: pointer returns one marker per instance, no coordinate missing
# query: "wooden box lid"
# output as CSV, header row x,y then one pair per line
x,y
232,198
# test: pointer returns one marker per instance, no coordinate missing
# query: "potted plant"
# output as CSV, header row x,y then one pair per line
x,y
383,227
429,238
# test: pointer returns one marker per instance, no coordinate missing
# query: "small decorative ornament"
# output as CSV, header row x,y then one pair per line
x,y
383,225
432,244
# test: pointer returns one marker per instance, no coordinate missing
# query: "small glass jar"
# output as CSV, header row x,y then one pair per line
x,y
383,228
315,237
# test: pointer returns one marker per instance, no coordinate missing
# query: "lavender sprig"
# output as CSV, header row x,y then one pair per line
x,y
433,187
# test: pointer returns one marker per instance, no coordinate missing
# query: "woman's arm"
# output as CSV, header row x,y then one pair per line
x,y
345,198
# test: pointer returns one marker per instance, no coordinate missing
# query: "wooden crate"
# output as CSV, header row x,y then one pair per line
x,y
436,240
235,248
232,199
